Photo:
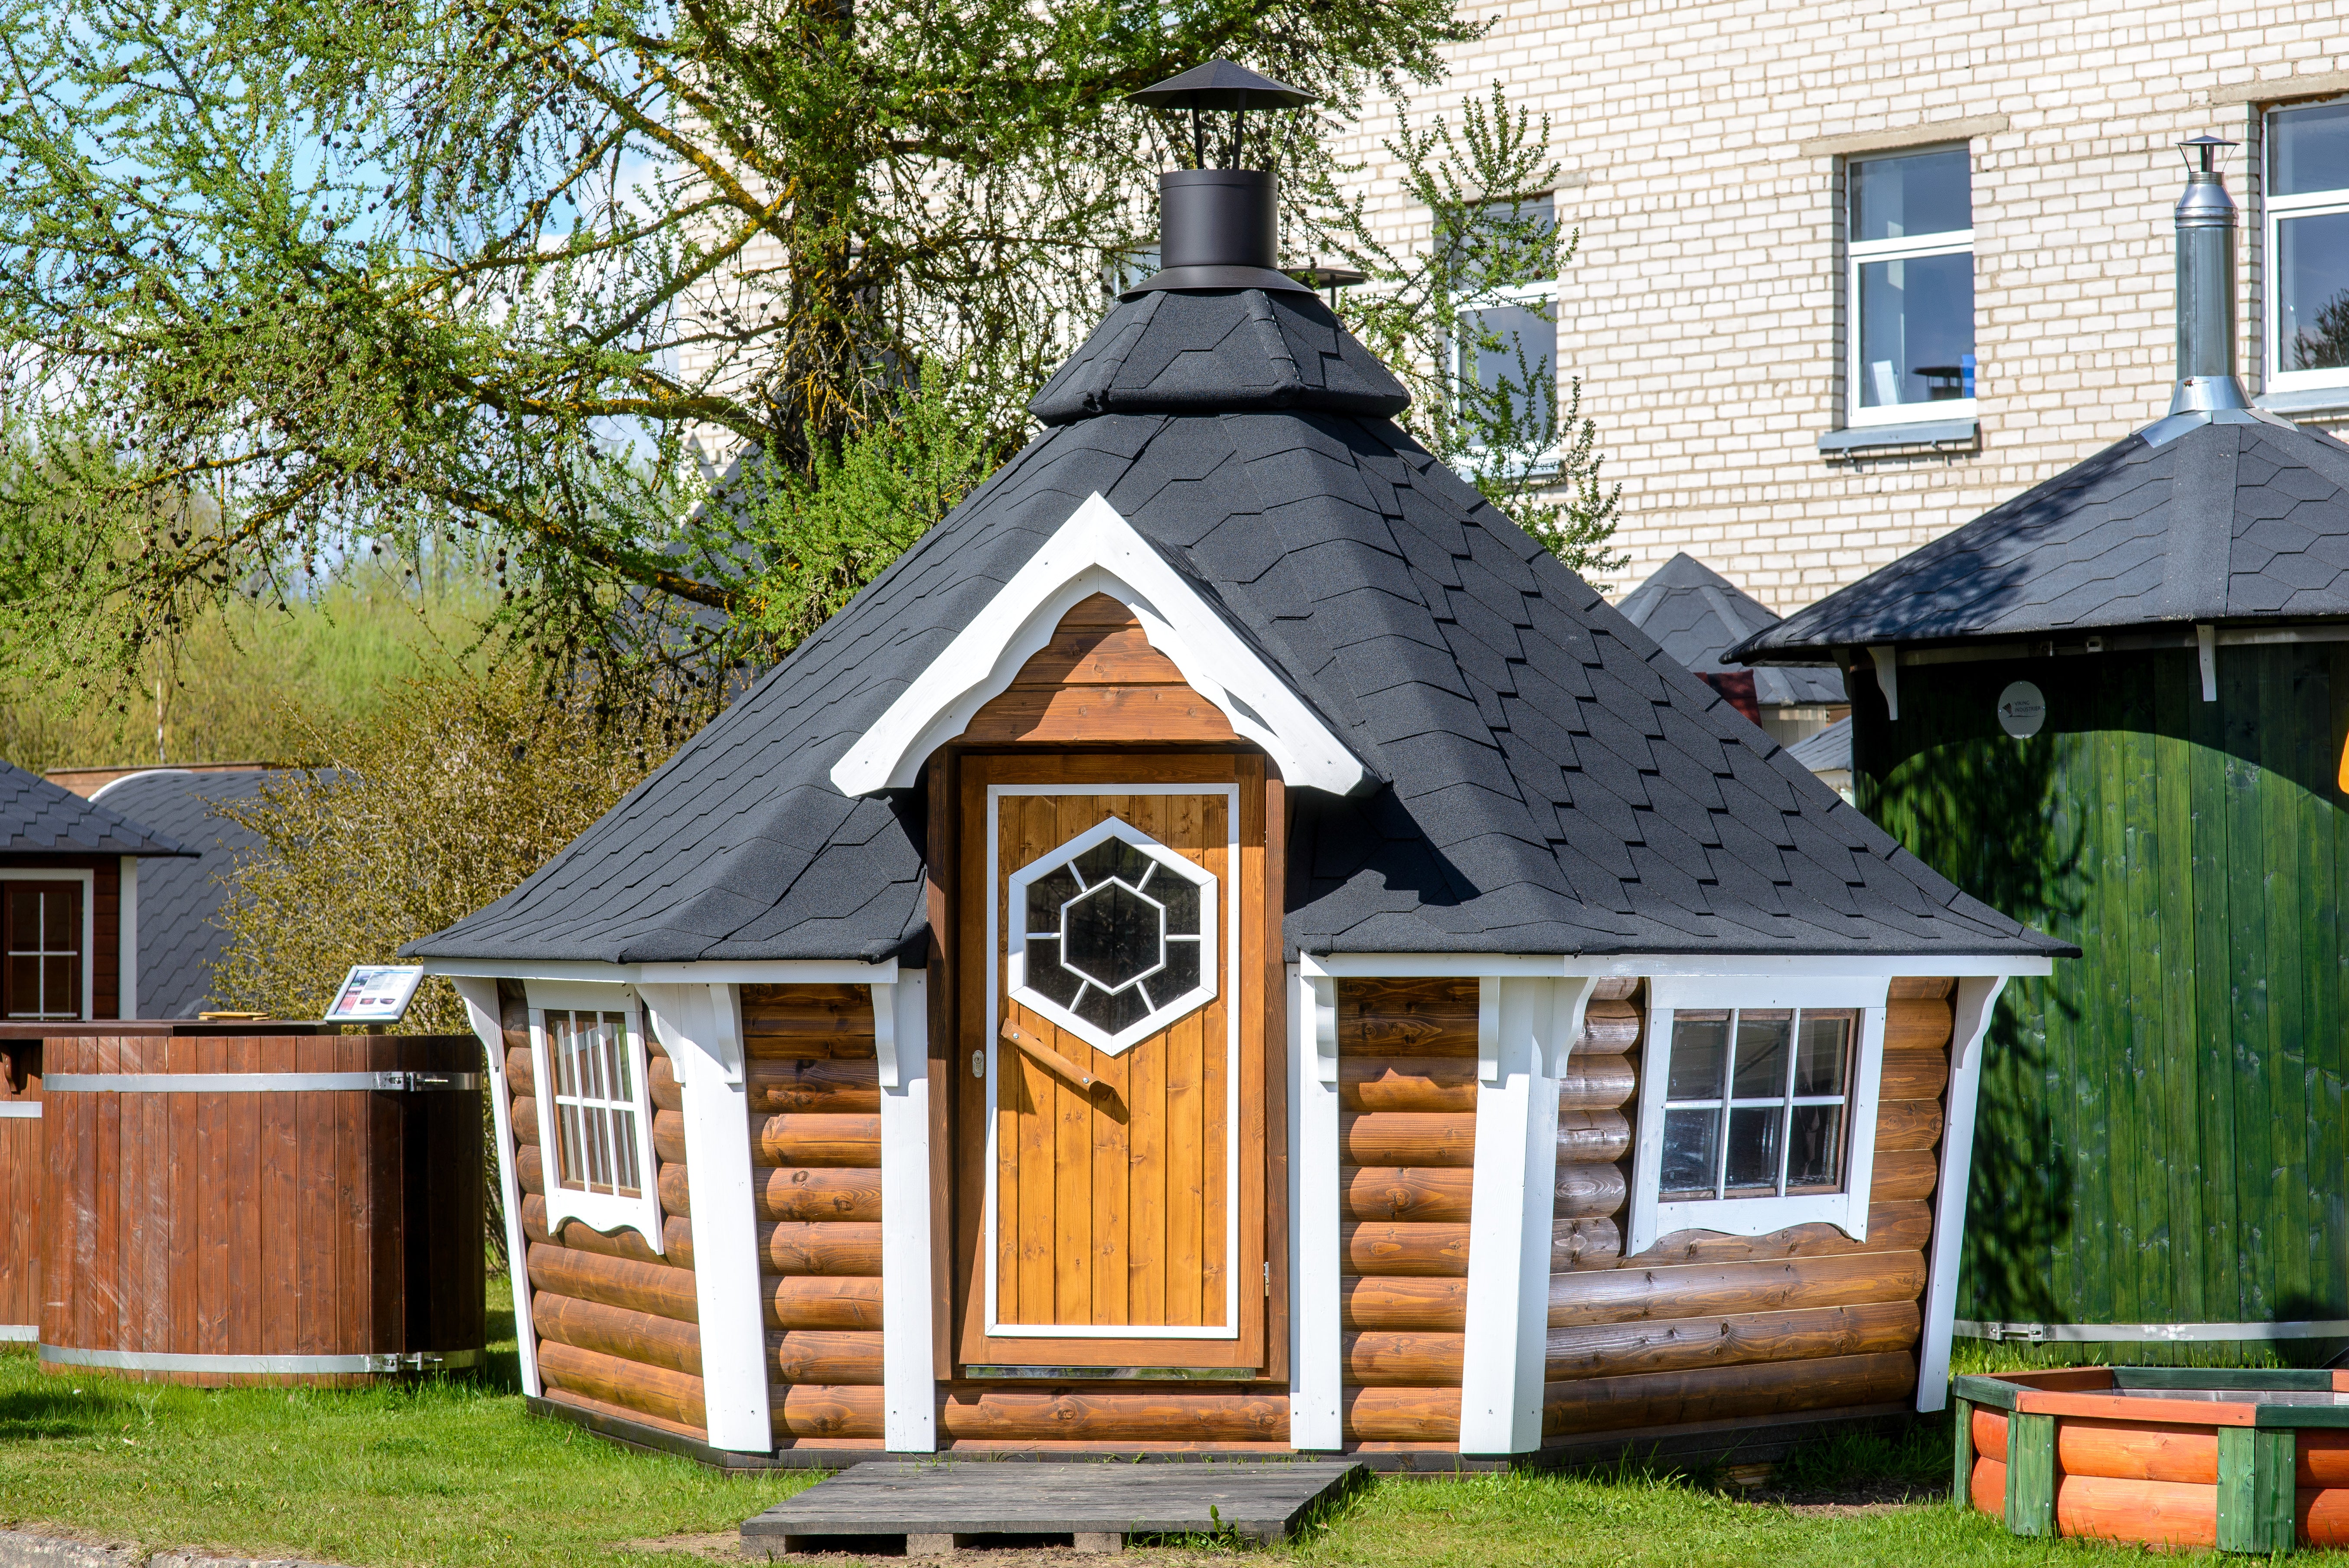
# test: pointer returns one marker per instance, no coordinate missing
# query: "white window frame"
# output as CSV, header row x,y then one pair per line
x,y
1908,248
88,880
1537,293
1654,1218
2277,211
601,1211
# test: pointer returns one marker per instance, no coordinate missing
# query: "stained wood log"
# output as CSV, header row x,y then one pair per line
x,y
1426,1251
1916,1025
524,1117
1633,1296
1144,1412
1921,987
521,1073
1990,1434
1596,1083
1592,1136
1915,1075
614,1282
1406,1017
820,1248
1608,1027
1589,1191
1423,1084
804,1411
1403,1305
616,1331
786,1193
677,1237
1615,989
824,1085
1387,1192
825,1356
1671,1345
655,1390
1903,1124
1402,1415
618,1413
1891,1227
2132,1450
820,1301
2323,1458
2323,1515
1726,1393
792,1139
1407,1138
1903,1174
762,1047
2159,1513
1383,1359
1989,1490
1584,1244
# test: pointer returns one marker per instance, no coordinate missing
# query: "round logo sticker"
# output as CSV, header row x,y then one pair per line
x,y
2021,710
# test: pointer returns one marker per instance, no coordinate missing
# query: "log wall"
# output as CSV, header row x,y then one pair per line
x,y
618,1325
1703,1326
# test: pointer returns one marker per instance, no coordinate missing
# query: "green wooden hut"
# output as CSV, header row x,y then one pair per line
x,y
2115,708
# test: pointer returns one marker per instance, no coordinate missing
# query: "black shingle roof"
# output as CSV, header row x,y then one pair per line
x,y
180,901
1696,614
1828,752
38,817
1552,780
2228,522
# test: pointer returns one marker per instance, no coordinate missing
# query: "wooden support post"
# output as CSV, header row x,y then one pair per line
x,y
900,1027
1962,1487
2256,1495
2030,1474
700,1026
1317,1347
1524,1029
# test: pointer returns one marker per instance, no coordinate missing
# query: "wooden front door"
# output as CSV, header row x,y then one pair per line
x,y
1111,1153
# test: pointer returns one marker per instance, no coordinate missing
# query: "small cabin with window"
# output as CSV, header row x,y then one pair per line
x,y
1228,946
1697,615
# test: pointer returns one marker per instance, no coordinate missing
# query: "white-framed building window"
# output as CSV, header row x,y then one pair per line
x,y
1758,1106
1908,287
594,1108
1507,337
2307,210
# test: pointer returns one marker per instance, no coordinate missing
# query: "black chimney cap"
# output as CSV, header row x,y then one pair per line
x,y
1221,85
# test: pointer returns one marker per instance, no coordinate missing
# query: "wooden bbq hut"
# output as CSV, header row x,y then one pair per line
x,y
1228,946
2116,706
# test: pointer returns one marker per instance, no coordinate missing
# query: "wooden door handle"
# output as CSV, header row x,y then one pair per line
x,y
1048,1056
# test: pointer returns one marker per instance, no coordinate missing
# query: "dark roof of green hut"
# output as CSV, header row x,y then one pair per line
x,y
1541,777
1697,615
2234,518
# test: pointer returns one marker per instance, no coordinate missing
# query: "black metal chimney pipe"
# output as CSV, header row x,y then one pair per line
x,y
1219,228
2206,286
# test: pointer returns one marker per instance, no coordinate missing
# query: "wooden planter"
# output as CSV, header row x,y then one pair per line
x,y
2253,1461
260,1207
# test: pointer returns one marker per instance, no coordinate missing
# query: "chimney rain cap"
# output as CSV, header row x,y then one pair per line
x,y
2202,152
1221,85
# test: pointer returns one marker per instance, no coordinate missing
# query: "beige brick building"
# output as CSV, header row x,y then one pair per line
x,y
1710,145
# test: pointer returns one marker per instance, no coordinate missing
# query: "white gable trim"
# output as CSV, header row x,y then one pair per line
x,y
1097,551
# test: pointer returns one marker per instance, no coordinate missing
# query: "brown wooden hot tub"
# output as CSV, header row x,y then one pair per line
x,y
285,1203
2246,1460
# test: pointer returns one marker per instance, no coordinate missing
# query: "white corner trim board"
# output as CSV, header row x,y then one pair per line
x,y
1098,552
480,999
1975,1005
1317,1341
700,1026
908,1371
1525,1031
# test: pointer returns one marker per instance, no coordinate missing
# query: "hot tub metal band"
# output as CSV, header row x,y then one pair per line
x,y
255,1083
172,1361
2150,1333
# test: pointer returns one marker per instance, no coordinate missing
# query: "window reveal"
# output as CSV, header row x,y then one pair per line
x,y
41,926
598,1143
1910,288
1757,1103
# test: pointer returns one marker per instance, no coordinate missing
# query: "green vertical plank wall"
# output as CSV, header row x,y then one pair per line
x,y
2160,1135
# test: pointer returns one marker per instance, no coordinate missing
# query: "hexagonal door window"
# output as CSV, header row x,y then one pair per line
x,y
1116,936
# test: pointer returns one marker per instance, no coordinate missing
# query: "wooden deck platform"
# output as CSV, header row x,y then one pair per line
x,y
938,1505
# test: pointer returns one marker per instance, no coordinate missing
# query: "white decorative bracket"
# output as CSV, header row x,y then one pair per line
x,y
901,1017
1888,678
1975,1005
1317,1360
480,999
2205,649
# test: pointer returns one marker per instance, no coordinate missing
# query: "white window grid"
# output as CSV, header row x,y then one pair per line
x,y
2278,376
1785,1102
1863,252
1542,293
74,1000
595,1116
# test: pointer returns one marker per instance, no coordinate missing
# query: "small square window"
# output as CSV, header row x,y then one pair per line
x,y
594,1108
2307,207
1909,288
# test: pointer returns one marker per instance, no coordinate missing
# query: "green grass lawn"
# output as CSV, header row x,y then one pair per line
x,y
455,1473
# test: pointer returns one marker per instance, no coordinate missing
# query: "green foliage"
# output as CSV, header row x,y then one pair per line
x,y
2328,347
1522,439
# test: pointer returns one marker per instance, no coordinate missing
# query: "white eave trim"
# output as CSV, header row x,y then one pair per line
x,y
736,971
1416,965
1098,552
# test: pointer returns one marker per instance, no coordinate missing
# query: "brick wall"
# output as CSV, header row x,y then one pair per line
x,y
1703,312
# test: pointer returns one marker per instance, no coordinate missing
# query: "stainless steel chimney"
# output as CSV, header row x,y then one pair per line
x,y
2206,286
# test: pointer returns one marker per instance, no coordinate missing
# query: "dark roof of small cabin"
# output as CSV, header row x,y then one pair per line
x,y
1828,752
1550,779
1696,614
2229,521
39,818
180,901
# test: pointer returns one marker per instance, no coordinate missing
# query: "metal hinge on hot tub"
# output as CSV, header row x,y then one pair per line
x,y
421,1360
408,1082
